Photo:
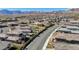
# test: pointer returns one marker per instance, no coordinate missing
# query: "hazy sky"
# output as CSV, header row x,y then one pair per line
x,y
35,9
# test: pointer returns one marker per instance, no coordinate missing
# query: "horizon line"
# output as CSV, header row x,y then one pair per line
x,y
35,9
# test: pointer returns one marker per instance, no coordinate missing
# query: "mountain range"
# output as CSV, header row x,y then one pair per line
x,y
5,11
14,12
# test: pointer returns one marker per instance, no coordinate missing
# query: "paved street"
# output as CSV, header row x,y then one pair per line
x,y
39,41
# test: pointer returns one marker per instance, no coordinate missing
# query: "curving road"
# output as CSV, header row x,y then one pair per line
x,y
39,41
